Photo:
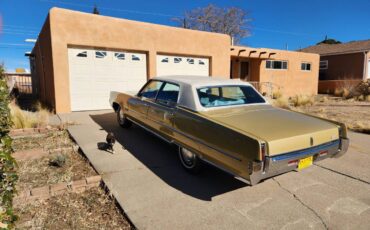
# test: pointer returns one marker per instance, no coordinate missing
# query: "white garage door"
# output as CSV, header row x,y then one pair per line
x,y
94,73
178,65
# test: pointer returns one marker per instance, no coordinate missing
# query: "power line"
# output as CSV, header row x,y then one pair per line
x,y
112,9
14,44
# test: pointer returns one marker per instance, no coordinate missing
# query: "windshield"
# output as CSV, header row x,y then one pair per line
x,y
215,96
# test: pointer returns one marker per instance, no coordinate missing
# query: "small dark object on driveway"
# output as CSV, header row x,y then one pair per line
x,y
111,140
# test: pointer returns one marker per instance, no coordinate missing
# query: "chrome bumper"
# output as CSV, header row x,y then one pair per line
x,y
279,164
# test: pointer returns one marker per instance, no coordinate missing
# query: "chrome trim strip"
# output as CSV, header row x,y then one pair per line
x,y
306,151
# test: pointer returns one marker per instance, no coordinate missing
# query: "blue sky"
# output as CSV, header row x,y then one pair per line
x,y
276,24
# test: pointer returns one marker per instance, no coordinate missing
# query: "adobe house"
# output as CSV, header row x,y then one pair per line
x,y
80,57
345,63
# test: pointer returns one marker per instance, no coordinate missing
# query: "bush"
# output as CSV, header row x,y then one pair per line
x,y
8,176
282,102
302,100
26,119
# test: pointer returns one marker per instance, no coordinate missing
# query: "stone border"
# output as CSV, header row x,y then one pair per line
x,y
47,191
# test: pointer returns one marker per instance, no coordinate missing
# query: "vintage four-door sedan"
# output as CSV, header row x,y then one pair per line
x,y
228,124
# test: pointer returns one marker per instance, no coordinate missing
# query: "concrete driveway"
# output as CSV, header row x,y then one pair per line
x,y
146,178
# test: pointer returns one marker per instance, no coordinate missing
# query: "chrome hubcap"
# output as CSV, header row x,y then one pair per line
x,y
188,157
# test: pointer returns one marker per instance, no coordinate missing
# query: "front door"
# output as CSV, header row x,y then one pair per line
x,y
161,113
138,106
244,70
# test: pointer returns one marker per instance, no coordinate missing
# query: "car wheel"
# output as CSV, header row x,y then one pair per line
x,y
122,119
189,160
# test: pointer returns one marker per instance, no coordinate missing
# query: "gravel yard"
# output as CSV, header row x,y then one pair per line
x,y
90,209
355,114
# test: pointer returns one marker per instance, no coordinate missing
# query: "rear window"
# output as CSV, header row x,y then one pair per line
x,y
216,96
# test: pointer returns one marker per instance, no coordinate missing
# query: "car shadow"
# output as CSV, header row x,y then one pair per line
x,y
162,159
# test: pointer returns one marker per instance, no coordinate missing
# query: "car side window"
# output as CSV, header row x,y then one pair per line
x,y
169,94
151,89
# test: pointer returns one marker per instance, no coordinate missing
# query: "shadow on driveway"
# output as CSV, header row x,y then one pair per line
x,y
162,159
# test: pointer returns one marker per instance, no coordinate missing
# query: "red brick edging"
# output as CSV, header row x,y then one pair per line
x,y
45,192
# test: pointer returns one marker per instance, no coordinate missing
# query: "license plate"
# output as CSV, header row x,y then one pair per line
x,y
305,162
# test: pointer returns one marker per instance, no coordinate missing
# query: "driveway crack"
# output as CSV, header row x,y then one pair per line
x,y
343,174
302,203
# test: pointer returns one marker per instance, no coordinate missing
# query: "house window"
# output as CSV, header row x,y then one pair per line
x,y
201,62
119,56
276,64
165,60
82,54
177,60
324,64
100,54
305,66
135,58
190,61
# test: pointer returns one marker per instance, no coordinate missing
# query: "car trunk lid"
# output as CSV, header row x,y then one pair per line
x,y
284,131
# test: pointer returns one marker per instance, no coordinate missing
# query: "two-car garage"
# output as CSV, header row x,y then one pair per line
x,y
93,73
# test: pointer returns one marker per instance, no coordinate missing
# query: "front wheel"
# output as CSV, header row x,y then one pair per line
x,y
189,160
122,119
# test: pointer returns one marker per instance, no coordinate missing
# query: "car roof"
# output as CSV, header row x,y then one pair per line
x,y
199,81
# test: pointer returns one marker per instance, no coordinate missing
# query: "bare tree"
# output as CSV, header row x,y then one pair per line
x,y
232,21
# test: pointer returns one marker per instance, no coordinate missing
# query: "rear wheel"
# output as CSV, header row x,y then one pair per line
x,y
189,160
122,119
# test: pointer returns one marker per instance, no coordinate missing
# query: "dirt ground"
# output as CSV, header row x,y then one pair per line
x,y
355,114
48,141
92,209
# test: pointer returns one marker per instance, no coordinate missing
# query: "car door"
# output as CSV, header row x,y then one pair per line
x,y
138,106
161,112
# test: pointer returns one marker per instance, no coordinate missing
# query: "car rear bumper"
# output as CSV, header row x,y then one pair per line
x,y
276,165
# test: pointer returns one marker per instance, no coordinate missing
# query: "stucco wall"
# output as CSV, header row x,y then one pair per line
x,y
343,66
71,28
293,81
42,75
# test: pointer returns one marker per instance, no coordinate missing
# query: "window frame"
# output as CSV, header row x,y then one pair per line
x,y
167,103
83,53
306,64
117,54
139,94
272,64
326,64
221,94
98,56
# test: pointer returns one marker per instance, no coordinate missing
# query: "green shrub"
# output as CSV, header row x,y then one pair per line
x,y
8,176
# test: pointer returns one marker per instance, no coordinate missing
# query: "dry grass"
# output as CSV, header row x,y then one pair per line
x,y
302,100
92,209
51,140
282,102
355,114
277,94
27,119
39,172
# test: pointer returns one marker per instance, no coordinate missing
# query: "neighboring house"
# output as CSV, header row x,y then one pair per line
x,y
20,80
79,58
340,64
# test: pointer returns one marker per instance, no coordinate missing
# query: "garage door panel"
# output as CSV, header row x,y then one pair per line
x,y
181,65
92,78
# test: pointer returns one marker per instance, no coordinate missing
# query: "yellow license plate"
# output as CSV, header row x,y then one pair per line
x,y
305,162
